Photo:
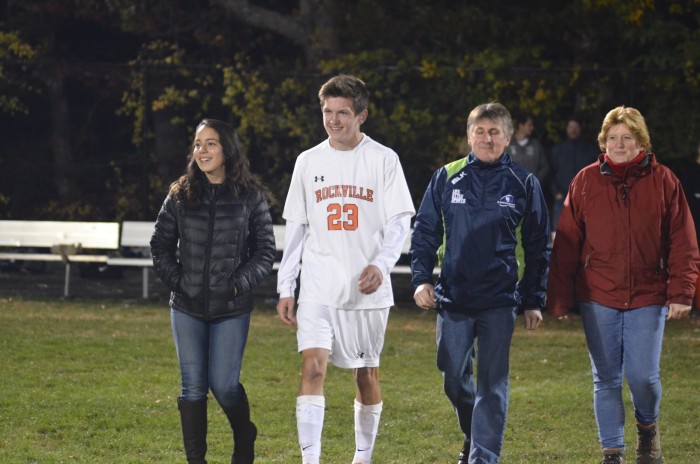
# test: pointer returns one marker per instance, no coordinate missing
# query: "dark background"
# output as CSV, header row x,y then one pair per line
x,y
99,99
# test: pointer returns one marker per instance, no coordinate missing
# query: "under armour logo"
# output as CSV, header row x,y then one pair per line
x,y
317,178
360,355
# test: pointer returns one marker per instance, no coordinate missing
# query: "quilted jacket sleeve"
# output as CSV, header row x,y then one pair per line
x,y
164,246
260,247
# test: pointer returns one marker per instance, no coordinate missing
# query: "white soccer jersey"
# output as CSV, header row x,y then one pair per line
x,y
346,198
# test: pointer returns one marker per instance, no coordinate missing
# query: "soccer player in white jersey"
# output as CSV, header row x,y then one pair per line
x,y
347,215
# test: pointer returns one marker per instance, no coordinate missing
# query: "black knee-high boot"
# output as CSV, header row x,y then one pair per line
x,y
244,431
193,418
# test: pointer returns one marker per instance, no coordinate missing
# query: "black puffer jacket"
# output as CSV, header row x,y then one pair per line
x,y
226,247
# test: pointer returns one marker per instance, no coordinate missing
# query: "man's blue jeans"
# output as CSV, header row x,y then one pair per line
x,y
481,406
624,343
210,355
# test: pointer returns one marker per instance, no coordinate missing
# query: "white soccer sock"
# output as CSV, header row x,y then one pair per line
x,y
310,412
366,425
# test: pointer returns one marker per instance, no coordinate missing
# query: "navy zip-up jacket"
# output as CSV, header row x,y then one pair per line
x,y
474,209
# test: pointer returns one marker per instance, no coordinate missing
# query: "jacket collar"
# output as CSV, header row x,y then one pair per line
x,y
214,190
635,170
502,162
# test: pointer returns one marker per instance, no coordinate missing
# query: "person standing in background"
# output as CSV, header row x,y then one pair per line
x,y
690,179
527,151
568,158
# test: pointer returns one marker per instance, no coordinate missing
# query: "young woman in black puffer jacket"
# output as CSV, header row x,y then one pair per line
x,y
213,242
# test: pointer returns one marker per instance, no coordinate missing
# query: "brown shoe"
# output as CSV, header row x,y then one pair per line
x,y
648,444
612,456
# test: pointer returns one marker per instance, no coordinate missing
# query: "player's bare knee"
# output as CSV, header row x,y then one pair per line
x,y
366,376
313,370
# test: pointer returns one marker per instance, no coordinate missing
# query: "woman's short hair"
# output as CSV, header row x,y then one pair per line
x,y
633,119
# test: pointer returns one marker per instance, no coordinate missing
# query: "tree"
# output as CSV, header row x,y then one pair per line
x,y
127,81
310,26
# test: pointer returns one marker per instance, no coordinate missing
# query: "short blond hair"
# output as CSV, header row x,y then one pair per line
x,y
633,119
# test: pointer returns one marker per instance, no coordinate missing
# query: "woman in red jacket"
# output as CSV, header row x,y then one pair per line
x,y
626,252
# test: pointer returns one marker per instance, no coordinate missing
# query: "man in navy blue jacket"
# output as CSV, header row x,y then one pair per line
x,y
471,217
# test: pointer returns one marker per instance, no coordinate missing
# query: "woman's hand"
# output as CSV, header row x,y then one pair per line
x,y
677,311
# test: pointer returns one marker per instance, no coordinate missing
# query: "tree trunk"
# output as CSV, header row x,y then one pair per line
x,y
60,137
312,29
170,152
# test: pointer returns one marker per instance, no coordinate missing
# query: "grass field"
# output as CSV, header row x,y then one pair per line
x,y
96,382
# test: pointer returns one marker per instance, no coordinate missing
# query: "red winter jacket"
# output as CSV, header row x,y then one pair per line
x,y
623,242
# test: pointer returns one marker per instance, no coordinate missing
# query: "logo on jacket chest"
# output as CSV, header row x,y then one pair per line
x,y
507,201
458,197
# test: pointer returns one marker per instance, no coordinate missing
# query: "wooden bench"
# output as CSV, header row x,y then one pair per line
x,y
278,230
69,240
65,241
136,234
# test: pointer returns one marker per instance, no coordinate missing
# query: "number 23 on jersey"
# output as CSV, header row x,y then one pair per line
x,y
342,217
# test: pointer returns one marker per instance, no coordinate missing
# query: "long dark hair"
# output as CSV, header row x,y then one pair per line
x,y
190,187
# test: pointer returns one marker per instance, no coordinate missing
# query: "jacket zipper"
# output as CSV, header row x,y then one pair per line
x,y
628,213
207,252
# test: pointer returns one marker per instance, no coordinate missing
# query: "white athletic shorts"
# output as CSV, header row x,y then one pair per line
x,y
354,337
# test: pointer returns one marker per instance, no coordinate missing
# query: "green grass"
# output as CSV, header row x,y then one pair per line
x,y
96,382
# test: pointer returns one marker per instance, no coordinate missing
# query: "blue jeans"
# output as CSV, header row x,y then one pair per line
x,y
481,406
629,343
210,355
